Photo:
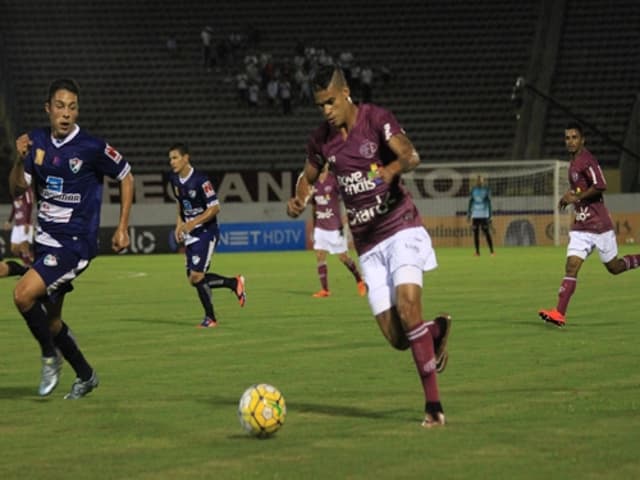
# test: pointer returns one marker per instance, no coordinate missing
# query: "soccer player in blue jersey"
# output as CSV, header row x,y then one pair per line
x,y
66,167
197,227
479,213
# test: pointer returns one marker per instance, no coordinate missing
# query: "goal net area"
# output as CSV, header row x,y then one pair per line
x,y
524,200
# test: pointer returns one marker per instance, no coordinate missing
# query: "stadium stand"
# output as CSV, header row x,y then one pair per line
x,y
451,64
597,73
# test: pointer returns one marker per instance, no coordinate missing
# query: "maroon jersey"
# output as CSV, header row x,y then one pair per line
x,y
21,208
326,201
375,210
591,215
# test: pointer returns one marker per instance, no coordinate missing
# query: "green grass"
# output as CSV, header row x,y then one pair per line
x,y
523,400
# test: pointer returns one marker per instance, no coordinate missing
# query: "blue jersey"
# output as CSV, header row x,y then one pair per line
x,y
195,194
480,202
68,177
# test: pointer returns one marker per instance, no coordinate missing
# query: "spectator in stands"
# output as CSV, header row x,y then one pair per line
x,y
479,214
592,228
368,151
242,87
206,36
253,95
366,84
284,89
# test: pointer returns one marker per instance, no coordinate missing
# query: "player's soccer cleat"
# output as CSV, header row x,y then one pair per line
x,y
362,288
431,421
241,292
208,322
80,388
51,367
440,344
553,316
321,294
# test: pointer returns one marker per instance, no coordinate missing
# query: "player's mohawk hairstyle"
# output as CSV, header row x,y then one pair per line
x,y
325,75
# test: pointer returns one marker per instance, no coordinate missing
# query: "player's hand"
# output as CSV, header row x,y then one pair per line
x,y
23,144
295,207
7,225
570,197
178,235
120,239
388,173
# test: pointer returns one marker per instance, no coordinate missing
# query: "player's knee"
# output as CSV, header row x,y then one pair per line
x,y
22,299
615,266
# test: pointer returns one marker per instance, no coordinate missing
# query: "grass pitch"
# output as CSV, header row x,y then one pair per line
x,y
523,399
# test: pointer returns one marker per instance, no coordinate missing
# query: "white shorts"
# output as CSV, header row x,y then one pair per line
x,y
400,259
329,240
18,234
581,244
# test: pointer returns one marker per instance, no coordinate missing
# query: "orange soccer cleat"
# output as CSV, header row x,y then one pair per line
x,y
362,288
321,294
553,316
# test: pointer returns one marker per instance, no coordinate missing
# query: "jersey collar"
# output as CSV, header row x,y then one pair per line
x,y
184,180
59,143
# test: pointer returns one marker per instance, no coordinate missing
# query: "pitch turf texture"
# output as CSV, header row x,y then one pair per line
x,y
523,399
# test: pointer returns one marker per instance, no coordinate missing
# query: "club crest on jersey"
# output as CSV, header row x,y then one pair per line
x,y
368,149
112,153
192,193
195,259
50,260
208,189
75,164
575,176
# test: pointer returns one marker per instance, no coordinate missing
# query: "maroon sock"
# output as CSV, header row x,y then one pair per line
x,y
351,265
564,294
631,261
322,274
434,329
424,358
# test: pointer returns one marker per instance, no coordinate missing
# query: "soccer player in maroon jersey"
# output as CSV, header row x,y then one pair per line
x,y
368,151
592,228
328,232
20,220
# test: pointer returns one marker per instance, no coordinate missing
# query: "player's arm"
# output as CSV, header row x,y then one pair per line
x,y
407,158
304,184
23,144
120,239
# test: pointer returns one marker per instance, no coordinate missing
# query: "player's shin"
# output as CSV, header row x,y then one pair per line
x,y
66,343
37,322
423,352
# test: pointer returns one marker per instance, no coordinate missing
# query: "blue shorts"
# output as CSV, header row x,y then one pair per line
x,y
199,251
58,267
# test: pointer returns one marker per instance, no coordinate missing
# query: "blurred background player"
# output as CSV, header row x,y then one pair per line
x,y
328,231
592,228
197,227
479,212
368,151
20,219
67,166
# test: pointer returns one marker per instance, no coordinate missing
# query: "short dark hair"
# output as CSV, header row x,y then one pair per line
x,y
181,147
63,84
575,126
325,75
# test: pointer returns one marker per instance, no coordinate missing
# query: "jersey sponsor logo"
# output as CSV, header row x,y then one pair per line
x,y
356,182
112,153
75,164
39,159
328,213
54,213
53,185
365,215
368,149
208,189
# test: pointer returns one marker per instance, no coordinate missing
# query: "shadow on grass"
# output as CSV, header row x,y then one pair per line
x,y
323,409
161,321
8,392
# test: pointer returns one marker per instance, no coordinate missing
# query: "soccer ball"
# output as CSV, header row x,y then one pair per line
x,y
262,410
